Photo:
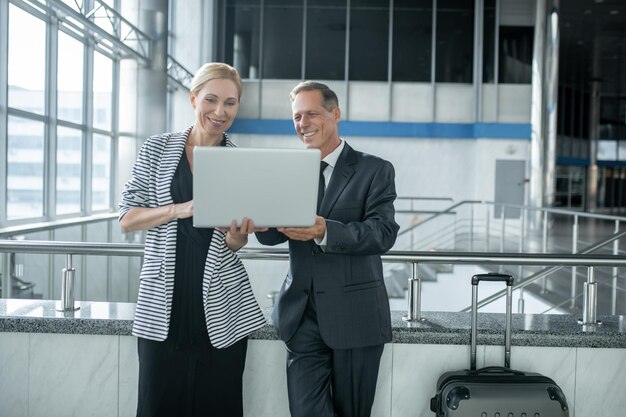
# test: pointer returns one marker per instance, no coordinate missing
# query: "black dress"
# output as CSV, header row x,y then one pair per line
x,y
185,375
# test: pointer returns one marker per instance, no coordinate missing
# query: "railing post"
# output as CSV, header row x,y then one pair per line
x,y
614,271
545,232
572,302
590,299
520,300
545,247
503,223
414,308
522,229
67,286
488,228
471,227
6,275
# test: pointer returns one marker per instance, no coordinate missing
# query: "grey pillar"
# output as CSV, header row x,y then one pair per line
x,y
594,121
544,101
152,79
551,99
535,195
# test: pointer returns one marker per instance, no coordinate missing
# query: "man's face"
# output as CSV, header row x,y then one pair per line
x,y
316,127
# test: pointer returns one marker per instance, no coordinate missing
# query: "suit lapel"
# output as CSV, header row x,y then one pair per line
x,y
342,173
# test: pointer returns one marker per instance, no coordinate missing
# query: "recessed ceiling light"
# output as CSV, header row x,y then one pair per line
x,y
614,12
587,11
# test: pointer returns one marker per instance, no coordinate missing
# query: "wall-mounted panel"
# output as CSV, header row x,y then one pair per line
x,y
411,102
275,102
251,95
514,103
14,380
454,103
517,13
368,101
490,103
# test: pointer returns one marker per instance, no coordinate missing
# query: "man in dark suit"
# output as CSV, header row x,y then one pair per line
x,y
333,311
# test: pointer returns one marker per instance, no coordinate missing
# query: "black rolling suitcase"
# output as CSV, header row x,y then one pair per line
x,y
496,390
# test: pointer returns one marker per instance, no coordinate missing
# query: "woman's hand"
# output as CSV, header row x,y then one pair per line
x,y
183,210
237,237
143,218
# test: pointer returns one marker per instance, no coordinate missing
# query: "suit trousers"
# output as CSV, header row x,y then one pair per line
x,y
179,382
326,382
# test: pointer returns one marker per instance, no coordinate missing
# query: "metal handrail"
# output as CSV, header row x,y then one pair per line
x,y
412,210
549,271
414,314
441,213
515,206
56,224
496,258
404,197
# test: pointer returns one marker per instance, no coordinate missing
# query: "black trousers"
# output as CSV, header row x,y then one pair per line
x,y
325,382
198,381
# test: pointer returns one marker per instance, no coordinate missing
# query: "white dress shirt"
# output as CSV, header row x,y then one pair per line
x,y
331,160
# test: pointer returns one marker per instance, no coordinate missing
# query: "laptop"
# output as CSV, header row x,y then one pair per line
x,y
273,187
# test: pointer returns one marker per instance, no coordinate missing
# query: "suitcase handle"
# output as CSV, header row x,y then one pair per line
x,y
493,276
496,370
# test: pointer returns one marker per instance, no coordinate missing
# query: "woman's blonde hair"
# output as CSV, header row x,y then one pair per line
x,y
215,70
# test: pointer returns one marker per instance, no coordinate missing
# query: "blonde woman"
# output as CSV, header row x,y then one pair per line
x,y
195,306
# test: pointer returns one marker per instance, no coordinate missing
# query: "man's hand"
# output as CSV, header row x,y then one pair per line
x,y
317,231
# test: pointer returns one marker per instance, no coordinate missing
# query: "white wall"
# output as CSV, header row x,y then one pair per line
x,y
397,102
92,375
463,169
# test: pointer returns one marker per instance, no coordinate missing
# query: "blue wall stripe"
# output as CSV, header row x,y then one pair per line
x,y
615,164
394,129
567,160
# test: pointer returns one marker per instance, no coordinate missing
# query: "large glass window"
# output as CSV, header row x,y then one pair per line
x,y
516,55
455,41
101,173
282,39
45,152
610,117
102,91
243,37
70,79
325,40
369,40
25,168
489,39
27,61
69,170
412,40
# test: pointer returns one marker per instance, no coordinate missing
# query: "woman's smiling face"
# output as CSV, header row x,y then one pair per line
x,y
216,106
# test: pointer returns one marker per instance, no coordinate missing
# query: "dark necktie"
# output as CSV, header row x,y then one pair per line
x,y
321,185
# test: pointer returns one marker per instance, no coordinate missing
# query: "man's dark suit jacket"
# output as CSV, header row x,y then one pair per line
x,y
347,277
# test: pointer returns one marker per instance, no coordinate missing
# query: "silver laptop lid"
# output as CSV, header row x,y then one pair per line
x,y
273,187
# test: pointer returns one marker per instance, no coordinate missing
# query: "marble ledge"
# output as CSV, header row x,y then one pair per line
x,y
450,328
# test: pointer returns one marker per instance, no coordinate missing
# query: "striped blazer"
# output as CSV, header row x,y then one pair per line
x,y
230,307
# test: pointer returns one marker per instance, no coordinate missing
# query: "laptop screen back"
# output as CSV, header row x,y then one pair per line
x,y
273,187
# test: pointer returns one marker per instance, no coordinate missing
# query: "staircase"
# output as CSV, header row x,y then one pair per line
x,y
476,234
